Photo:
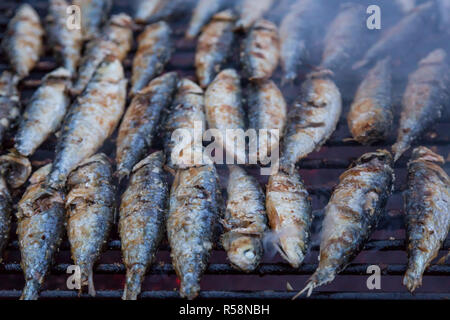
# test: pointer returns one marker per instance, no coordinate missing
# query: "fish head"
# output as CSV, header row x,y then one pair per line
x,y
245,252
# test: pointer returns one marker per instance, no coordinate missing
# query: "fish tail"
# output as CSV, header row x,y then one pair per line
x,y
87,278
134,278
189,287
31,290
412,279
320,277
399,148
121,174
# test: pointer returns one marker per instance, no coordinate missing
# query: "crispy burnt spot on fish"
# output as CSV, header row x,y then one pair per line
x,y
187,110
142,220
44,113
154,50
40,228
14,171
399,37
90,207
167,10
202,14
245,220
311,120
23,40
423,100
426,202
214,46
260,51
66,43
355,207
223,107
346,38
251,11
140,123
295,35
371,116
93,14
115,40
91,119
195,208
267,110
9,103
290,216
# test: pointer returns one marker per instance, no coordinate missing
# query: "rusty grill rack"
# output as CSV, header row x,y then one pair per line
x,y
320,172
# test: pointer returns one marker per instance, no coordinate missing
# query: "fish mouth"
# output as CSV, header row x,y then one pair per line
x,y
244,253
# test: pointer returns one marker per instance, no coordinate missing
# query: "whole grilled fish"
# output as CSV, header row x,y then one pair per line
x,y
9,103
427,212
295,35
400,36
346,37
186,112
195,209
290,215
423,100
214,46
141,120
22,42
45,111
14,171
144,9
252,10
154,50
267,110
142,220
116,40
260,51
203,13
444,10
93,14
223,108
40,229
354,209
66,43
90,213
245,220
371,116
91,119
311,120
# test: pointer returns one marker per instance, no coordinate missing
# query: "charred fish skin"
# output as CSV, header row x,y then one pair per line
x,y
23,43
91,119
116,40
142,220
154,50
251,11
66,43
311,120
260,51
371,116
423,100
346,37
427,212
245,220
202,14
223,108
290,215
90,209
195,209
351,215
214,46
401,34
141,120
9,103
94,13
41,221
45,112
187,110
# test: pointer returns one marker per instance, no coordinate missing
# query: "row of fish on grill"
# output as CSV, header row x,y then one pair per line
x,y
85,99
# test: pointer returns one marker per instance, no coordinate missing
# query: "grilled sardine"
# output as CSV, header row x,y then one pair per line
x,y
93,14
45,111
142,220
214,46
9,103
141,120
91,119
203,13
427,212
250,11
423,100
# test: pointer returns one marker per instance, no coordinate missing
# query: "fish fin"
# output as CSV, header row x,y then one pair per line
x,y
121,174
91,288
309,287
